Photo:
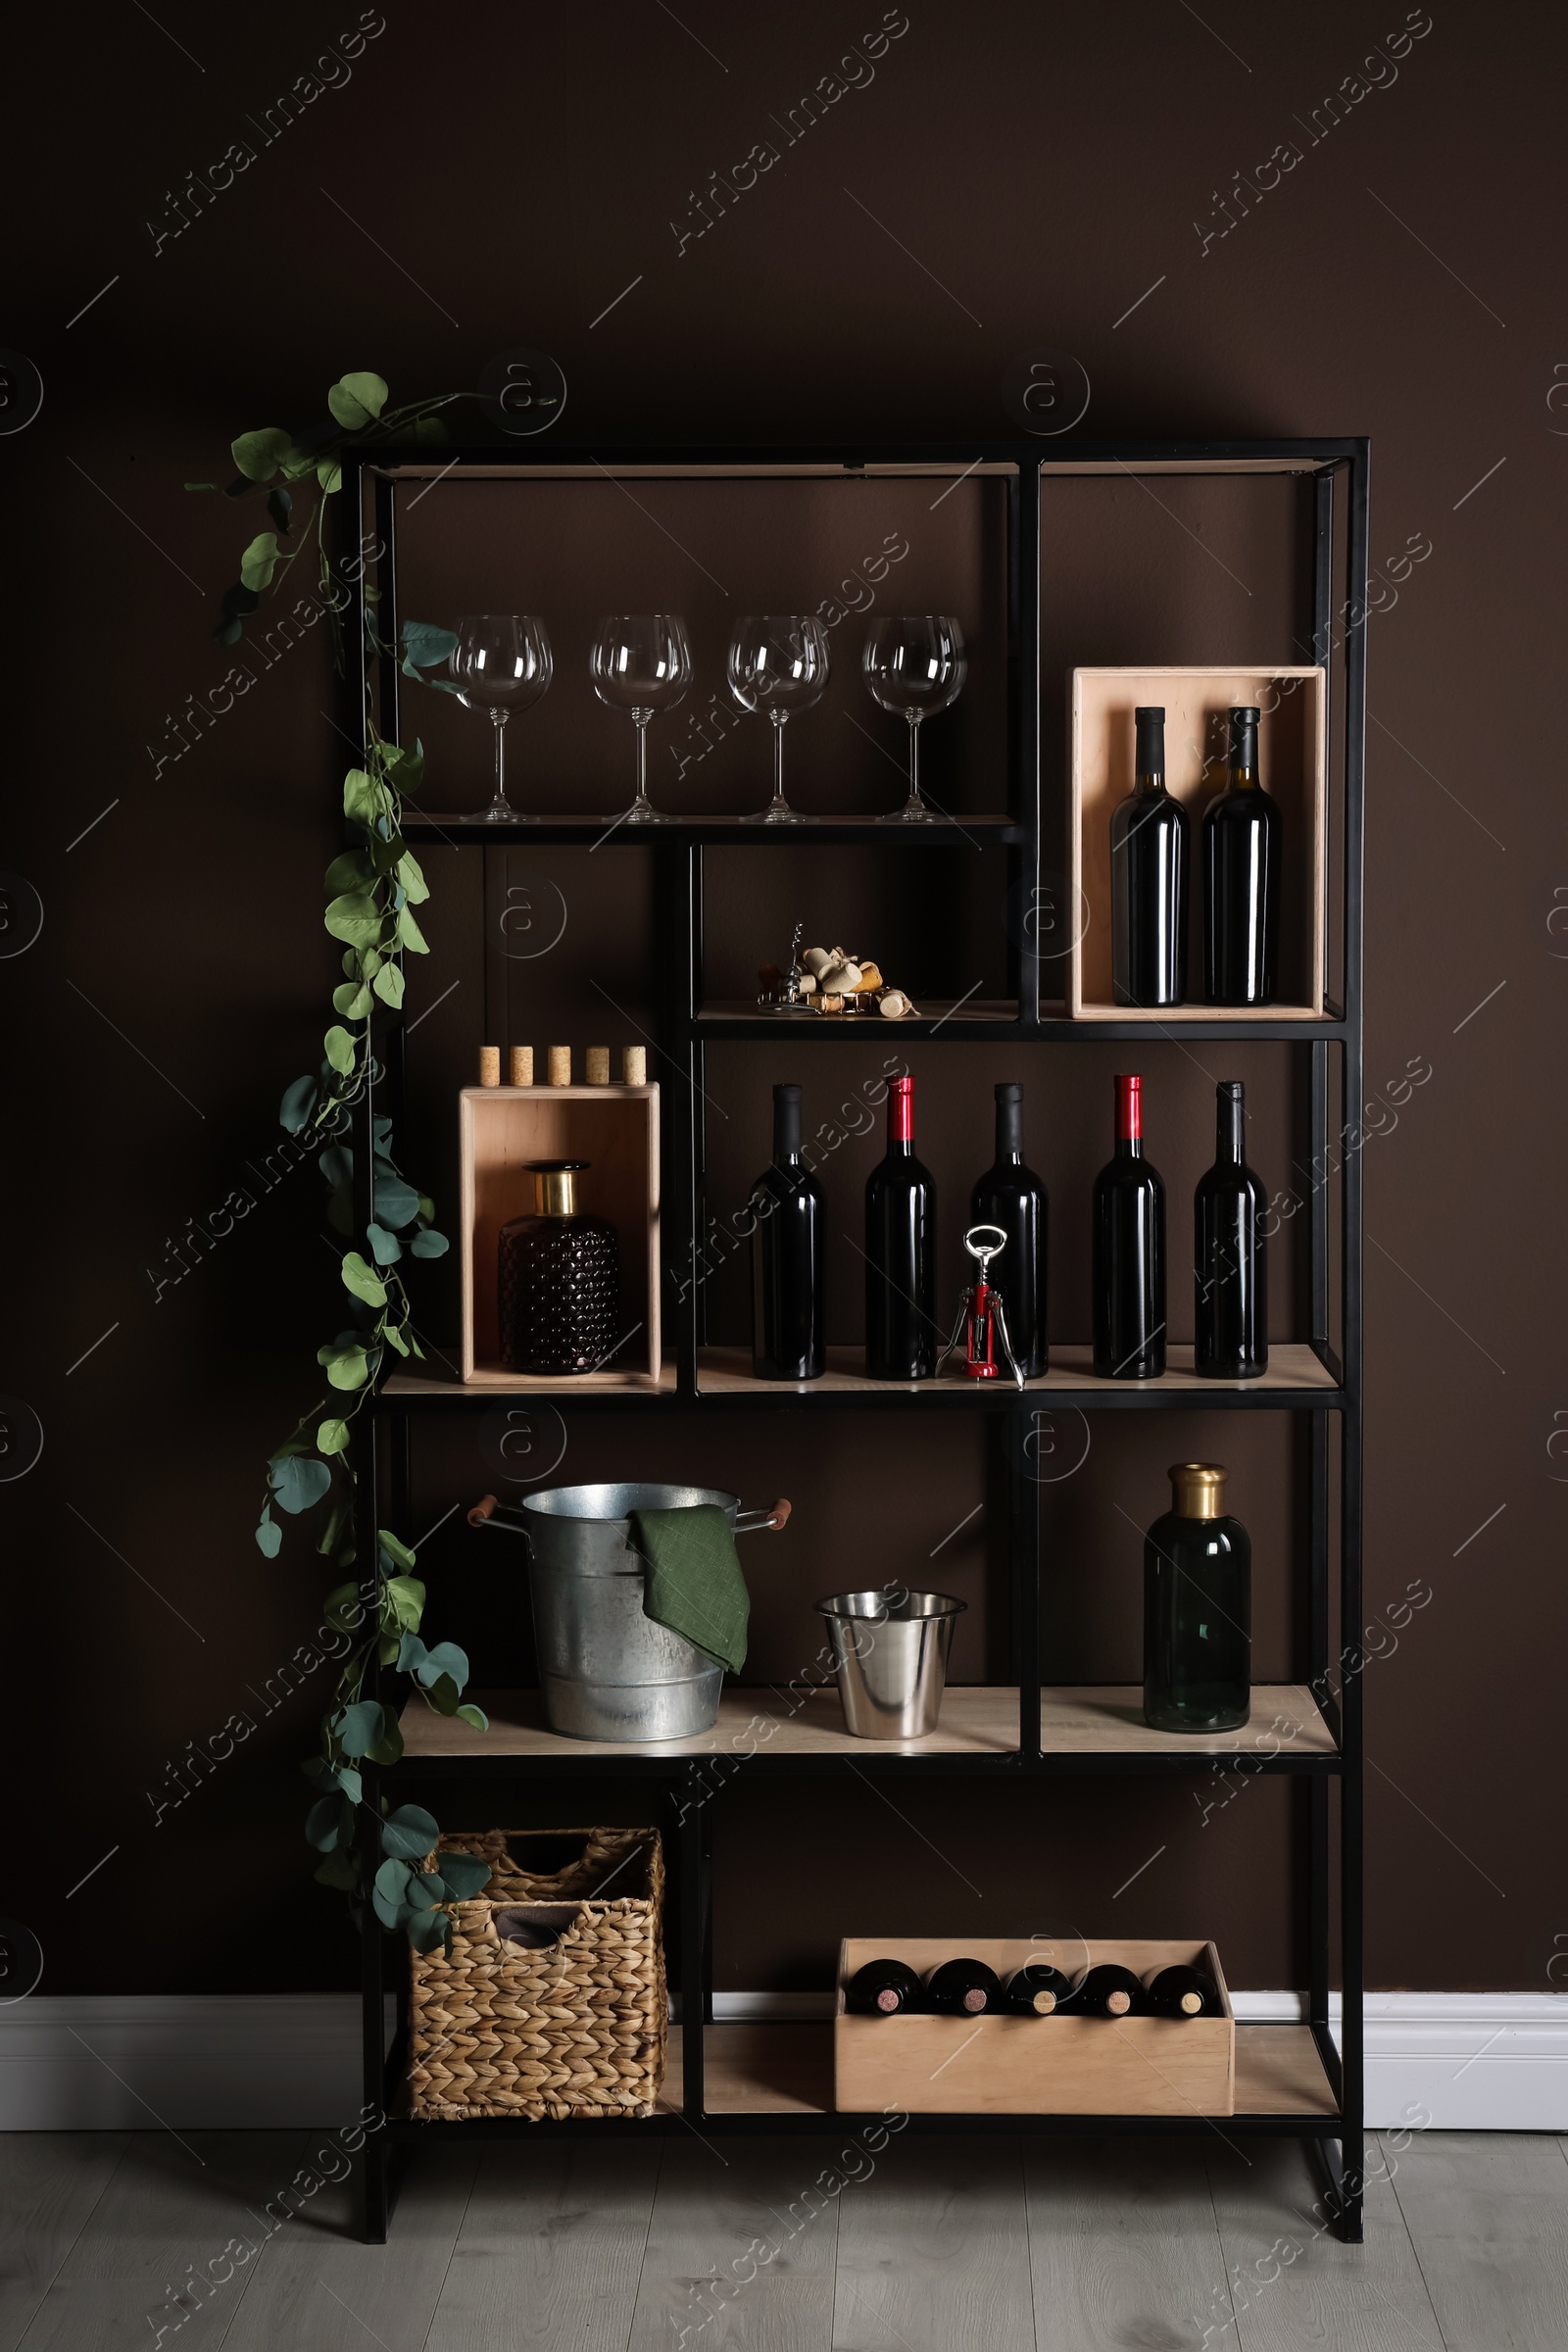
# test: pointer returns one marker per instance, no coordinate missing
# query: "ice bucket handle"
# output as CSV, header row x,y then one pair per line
x,y
752,1523
488,1512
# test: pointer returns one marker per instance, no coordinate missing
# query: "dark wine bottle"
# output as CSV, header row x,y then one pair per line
x,y
901,1217
1106,1990
1036,1989
962,1989
1230,1266
1011,1196
787,1256
882,1987
1198,1610
1241,880
1129,1252
1179,1992
1148,878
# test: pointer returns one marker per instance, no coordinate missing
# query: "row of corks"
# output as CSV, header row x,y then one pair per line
x,y
557,1061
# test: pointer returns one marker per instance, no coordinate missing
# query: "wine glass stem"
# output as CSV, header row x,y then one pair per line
x,y
498,719
914,763
779,800
640,720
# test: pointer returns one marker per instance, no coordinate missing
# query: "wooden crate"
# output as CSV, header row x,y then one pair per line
x,y
616,1129
1032,2065
1293,763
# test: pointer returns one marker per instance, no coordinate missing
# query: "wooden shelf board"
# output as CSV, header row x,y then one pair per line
x,y
757,1721
768,2067
1292,1364
435,1381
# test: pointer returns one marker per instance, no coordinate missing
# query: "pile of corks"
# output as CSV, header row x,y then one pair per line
x,y
633,1066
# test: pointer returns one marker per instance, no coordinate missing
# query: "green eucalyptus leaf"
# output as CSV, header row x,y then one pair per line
x,y
355,917
297,1480
426,1891
409,1834
389,1748
427,1243
259,561
446,1658
387,1893
346,1367
432,1931
297,463
410,935
405,1595
330,474
281,507
444,1695
340,1047
361,798
340,1871
474,1716
347,872
398,1554
337,1519
396,1203
466,1875
388,985
394,1338
268,1536
349,1780
330,1824
360,1727
358,400
385,1248
343,1609
359,1278
259,455
425,646
332,1437
411,1655
411,874
352,998
297,1104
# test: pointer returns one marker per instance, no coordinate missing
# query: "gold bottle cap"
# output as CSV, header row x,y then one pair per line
x,y
555,1186
1198,1490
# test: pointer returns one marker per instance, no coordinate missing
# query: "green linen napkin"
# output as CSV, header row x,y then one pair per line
x,y
692,1579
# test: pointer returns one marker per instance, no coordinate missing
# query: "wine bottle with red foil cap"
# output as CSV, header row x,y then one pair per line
x,y
882,1988
900,1213
962,1989
1128,1271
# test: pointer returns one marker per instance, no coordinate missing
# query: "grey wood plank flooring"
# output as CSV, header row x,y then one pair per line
x,y
169,2212
49,2184
1488,2216
316,2290
1124,2247
1291,2285
742,2249
550,2250
934,2251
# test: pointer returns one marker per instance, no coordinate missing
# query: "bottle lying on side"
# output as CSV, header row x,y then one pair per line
x,y
963,1988
1038,1991
1179,1992
1107,1989
883,1988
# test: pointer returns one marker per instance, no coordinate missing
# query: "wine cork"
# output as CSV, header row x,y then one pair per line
x,y
523,1066
634,1065
560,1065
489,1065
596,1069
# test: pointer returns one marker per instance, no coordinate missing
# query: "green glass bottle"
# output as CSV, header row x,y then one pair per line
x,y
1198,1610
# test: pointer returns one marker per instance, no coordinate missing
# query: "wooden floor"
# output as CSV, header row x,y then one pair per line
x,y
802,2245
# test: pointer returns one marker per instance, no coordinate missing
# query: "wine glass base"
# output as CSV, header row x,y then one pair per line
x,y
778,816
498,812
913,813
643,812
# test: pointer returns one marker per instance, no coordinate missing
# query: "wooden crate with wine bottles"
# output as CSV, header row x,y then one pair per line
x,y
1119,2025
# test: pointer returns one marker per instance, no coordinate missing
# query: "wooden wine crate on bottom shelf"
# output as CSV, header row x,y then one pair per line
x,y
616,1130
999,2065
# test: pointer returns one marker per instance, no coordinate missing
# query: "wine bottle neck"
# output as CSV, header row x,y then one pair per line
x,y
786,1126
1129,1117
901,1117
1010,1130
1230,1120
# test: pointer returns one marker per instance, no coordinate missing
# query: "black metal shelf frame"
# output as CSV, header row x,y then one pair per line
x,y
1340,472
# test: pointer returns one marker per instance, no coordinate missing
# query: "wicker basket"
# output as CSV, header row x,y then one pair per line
x,y
552,2003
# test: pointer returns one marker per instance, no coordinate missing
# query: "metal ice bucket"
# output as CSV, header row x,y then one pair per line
x,y
890,1653
605,1670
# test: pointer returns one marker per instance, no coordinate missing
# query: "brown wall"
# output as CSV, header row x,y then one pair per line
x,y
1044,168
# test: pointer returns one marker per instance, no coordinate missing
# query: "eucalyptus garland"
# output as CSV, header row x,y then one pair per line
x,y
371,890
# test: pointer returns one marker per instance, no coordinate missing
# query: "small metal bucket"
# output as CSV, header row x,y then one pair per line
x,y
605,1670
890,1652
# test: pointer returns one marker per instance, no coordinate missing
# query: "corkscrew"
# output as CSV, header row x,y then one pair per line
x,y
981,1328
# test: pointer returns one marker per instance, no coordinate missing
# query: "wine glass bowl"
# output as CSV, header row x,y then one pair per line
x,y
641,663
501,662
914,663
778,662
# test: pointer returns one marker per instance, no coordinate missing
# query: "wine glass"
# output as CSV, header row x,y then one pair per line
x,y
502,663
642,662
914,663
778,662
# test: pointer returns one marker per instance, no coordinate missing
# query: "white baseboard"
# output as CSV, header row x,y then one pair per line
x,y
1460,2061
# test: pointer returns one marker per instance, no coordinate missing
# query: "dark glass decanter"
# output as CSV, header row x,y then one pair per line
x,y
559,1280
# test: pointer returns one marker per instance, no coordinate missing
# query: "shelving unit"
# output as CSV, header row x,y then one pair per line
x,y
1291,2081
